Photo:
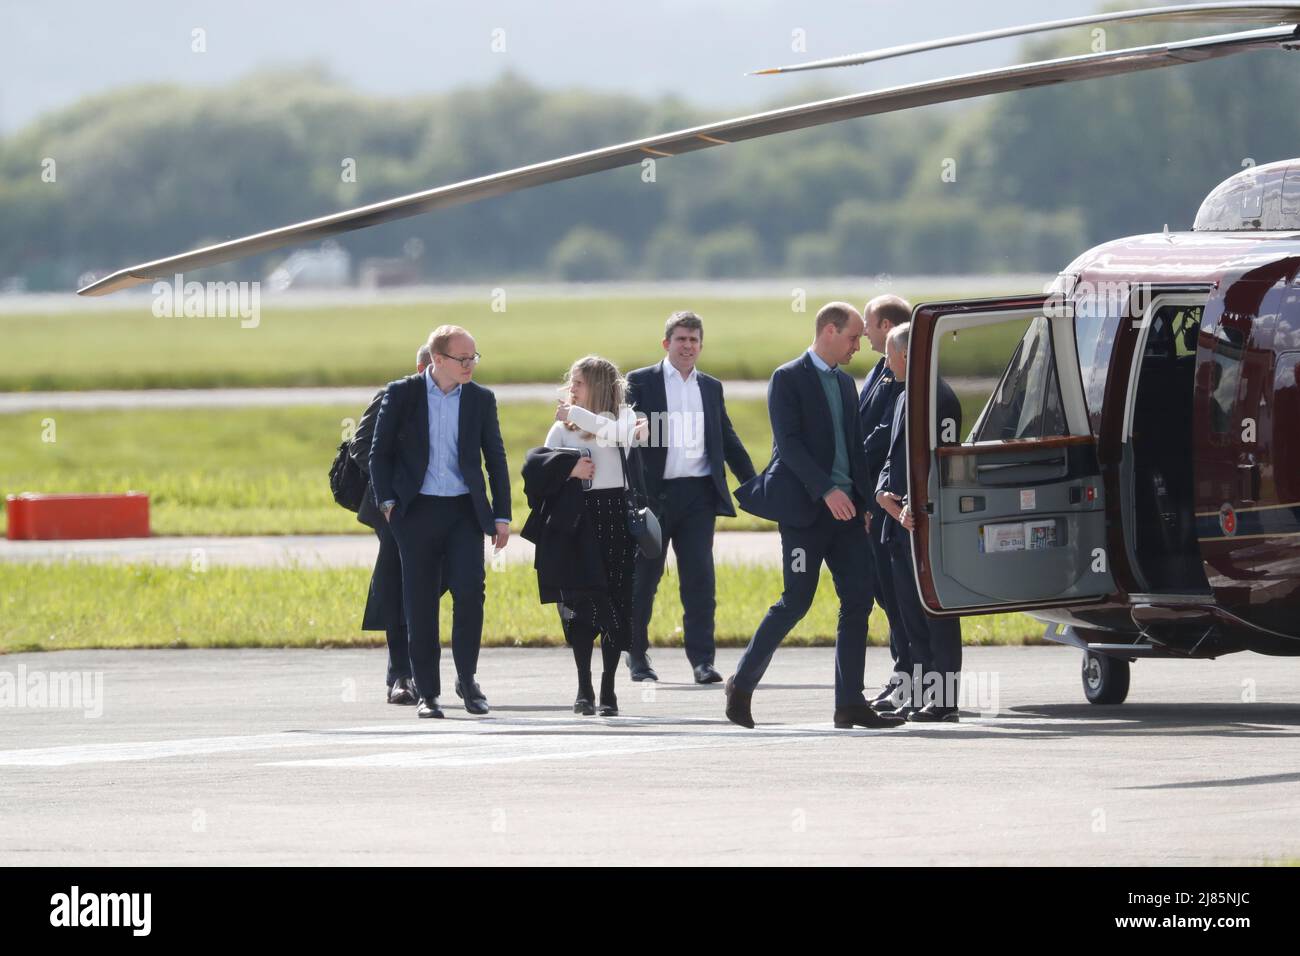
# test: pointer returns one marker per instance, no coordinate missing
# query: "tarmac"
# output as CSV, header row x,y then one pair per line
x,y
219,757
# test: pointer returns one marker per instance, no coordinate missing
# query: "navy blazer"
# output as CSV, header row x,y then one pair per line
x,y
876,405
790,489
893,476
399,451
647,393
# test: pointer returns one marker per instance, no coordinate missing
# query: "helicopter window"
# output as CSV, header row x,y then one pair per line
x,y
1225,375
1027,402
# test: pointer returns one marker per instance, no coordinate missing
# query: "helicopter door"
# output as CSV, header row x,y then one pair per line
x,y
1013,515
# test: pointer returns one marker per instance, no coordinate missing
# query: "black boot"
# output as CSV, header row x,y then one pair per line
x,y
584,704
608,702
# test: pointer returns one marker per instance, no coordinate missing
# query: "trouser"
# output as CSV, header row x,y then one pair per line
x,y
883,574
842,545
686,514
935,642
386,592
433,528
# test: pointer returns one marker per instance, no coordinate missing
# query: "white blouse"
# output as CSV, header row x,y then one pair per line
x,y
609,432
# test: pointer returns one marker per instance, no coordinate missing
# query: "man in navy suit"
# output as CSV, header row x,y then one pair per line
x,y
691,437
816,488
876,405
935,642
433,435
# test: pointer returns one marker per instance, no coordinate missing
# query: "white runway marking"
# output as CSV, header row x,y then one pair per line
x,y
499,740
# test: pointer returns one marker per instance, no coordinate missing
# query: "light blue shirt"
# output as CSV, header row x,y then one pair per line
x,y
442,476
817,360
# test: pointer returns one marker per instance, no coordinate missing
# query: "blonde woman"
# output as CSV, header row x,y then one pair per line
x,y
593,418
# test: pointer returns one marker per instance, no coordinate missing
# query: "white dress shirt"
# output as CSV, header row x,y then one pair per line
x,y
682,432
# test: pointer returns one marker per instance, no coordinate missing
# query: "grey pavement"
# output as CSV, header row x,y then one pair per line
x,y
319,551
270,756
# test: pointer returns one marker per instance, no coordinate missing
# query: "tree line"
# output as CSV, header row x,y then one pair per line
x,y
1016,183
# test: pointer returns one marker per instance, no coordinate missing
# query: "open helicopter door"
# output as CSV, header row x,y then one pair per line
x,y
1013,516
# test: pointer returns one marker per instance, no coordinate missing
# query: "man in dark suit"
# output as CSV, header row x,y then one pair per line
x,y
816,489
384,610
433,435
935,642
690,438
876,405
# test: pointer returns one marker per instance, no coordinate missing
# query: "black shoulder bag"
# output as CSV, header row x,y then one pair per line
x,y
641,521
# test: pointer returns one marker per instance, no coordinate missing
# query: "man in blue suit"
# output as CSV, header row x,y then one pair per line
x,y
816,488
433,435
876,405
934,642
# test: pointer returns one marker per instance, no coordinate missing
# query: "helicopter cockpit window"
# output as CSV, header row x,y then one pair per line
x,y
1027,402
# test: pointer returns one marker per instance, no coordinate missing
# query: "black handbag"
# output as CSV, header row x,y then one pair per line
x,y
641,521
347,483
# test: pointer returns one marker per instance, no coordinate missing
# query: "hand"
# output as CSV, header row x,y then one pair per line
x,y
642,430
502,537
388,513
841,505
584,469
890,502
905,518
562,412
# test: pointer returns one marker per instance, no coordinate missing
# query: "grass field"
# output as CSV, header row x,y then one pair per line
x,y
251,471
532,341
66,606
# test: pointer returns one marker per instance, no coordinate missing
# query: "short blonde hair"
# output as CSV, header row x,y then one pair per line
x,y
440,338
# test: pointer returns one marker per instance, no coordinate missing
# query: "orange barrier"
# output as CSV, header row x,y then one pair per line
x,y
35,517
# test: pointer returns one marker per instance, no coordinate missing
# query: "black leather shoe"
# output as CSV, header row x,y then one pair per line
x,y
640,667
861,715
902,713
475,700
403,692
932,714
428,708
889,698
738,704
584,706
705,674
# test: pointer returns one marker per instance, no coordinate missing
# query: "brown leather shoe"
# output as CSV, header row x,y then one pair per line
x,y
738,702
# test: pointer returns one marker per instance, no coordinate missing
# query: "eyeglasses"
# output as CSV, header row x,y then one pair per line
x,y
468,361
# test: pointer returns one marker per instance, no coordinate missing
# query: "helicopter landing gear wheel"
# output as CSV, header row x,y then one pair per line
x,y
1105,679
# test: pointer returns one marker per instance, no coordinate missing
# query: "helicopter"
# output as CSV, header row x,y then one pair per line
x,y
1131,532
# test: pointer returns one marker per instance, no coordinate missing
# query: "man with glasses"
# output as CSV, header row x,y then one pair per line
x,y
433,436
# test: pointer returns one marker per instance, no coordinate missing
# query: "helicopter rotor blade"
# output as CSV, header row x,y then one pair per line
x,y
1271,12
803,116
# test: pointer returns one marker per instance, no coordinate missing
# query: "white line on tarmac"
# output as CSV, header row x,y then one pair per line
x,y
462,742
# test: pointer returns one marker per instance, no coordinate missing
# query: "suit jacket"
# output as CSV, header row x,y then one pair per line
x,y
568,557
876,405
399,451
359,450
647,393
790,489
893,476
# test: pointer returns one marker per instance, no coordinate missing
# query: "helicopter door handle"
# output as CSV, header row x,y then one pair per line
x,y
1037,462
